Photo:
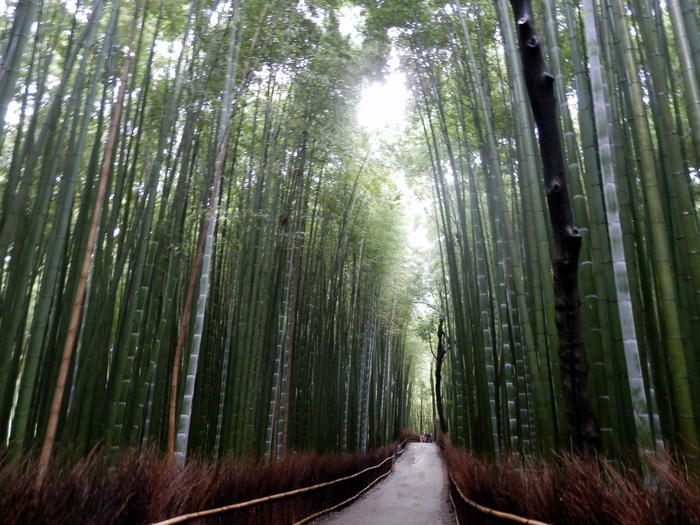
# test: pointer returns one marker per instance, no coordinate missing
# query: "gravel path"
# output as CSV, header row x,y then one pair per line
x,y
414,494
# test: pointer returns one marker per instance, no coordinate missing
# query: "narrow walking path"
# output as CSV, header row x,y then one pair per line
x,y
415,493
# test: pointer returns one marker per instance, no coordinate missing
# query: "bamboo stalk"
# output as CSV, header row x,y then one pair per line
x,y
76,311
567,239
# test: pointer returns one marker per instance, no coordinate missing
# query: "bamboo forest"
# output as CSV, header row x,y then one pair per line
x,y
253,250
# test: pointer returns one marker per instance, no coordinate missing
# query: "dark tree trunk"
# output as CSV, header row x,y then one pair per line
x,y
567,239
438,376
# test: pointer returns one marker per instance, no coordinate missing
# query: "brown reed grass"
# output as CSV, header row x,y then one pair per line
x,y
144,488
573,490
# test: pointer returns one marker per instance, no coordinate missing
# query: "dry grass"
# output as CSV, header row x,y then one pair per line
x,y
572,490
143,488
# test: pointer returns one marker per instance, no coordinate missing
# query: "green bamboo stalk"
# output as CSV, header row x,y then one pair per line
x,y
203,257
77,306
25,15
20,424
643,421
689,73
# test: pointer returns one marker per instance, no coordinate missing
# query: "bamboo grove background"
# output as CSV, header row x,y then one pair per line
x,y
247,250
246,280
626,75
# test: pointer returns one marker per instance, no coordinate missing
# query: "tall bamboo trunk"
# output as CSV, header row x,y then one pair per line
x,y
25,15
177,448
439,359
77,307
567,239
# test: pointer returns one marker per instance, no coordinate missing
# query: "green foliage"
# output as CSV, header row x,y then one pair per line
x,y
306,249
309,231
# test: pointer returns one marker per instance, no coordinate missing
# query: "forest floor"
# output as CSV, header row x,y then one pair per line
x,y
415,493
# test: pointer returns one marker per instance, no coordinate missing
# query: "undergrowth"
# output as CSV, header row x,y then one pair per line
x,y
571,490
144,488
